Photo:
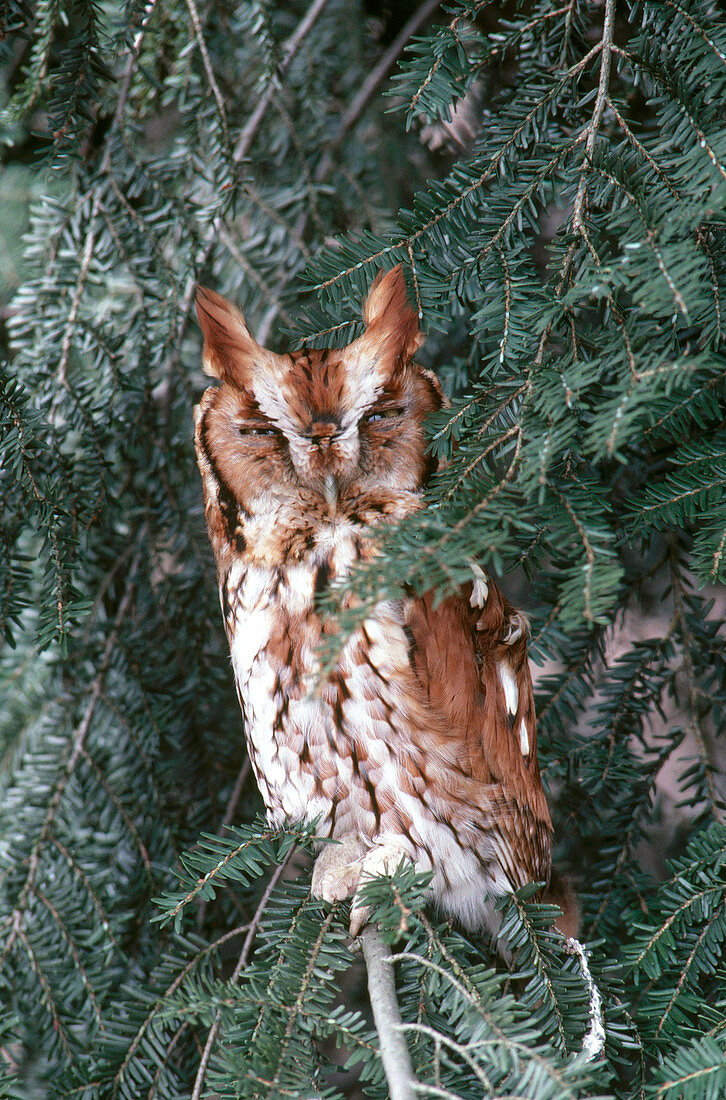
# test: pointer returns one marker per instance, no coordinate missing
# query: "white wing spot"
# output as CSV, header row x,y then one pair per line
x,y
509,685
480,589
523,738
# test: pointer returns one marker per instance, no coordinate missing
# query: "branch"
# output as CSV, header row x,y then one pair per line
x,y
695,693
347,122
373,82
90,241
600,100
382,990
293,45
199,35
120,1075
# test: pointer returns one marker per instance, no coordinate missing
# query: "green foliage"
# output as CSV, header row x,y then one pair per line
x,y
569,263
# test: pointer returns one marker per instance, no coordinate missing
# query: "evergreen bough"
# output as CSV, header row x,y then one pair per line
x,y
568,263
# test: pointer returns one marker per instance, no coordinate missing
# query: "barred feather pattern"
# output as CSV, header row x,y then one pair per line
x,y
421,743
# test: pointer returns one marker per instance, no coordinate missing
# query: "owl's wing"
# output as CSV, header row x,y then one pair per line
x,y
469,655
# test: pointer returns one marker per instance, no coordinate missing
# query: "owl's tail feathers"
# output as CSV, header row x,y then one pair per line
x,y
560,892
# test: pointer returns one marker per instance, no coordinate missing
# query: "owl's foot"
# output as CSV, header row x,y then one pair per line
x,y
338,869
382,859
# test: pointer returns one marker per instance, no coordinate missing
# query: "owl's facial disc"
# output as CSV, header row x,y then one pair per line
x,y
329,431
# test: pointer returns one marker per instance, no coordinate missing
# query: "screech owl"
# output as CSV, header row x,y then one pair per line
x,y
421,743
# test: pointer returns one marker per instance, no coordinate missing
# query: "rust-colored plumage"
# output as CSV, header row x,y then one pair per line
x,y
422,742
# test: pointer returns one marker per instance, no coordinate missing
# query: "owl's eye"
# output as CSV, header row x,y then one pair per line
x,y
382,414
257,429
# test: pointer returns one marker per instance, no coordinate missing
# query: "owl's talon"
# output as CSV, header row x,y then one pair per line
x,y
382,859
359,915
337,869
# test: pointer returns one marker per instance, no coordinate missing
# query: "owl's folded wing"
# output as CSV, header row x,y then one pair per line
x,y
469,654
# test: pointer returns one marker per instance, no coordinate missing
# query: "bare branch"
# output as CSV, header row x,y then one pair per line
x,y
600,100
382,990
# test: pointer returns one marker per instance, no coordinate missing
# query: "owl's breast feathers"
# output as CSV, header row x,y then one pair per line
x,y
424,731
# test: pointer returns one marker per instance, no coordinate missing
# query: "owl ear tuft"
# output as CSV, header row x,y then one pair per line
x,y
391,320
230,352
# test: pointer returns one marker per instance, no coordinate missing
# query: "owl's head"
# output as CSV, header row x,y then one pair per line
x,y
333,429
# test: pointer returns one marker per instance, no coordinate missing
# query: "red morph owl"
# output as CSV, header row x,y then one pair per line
x,y
421,743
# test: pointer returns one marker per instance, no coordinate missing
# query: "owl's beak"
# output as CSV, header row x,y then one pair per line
x,y
330,489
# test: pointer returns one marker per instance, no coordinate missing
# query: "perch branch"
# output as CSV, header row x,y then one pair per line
x,y
382,990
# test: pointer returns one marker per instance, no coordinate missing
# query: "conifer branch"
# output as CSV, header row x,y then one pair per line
x,y
88,886
244,142
486,176
684,974
455,976
239,967
650,235
542,971
122,811
697,27
90,241
119,1076
589,552
463,1050
48,1000
453,25
74,952
78,744
641,148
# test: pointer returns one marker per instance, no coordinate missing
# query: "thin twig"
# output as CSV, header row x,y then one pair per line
x,y
600,101
294,43
199,35
386,1015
